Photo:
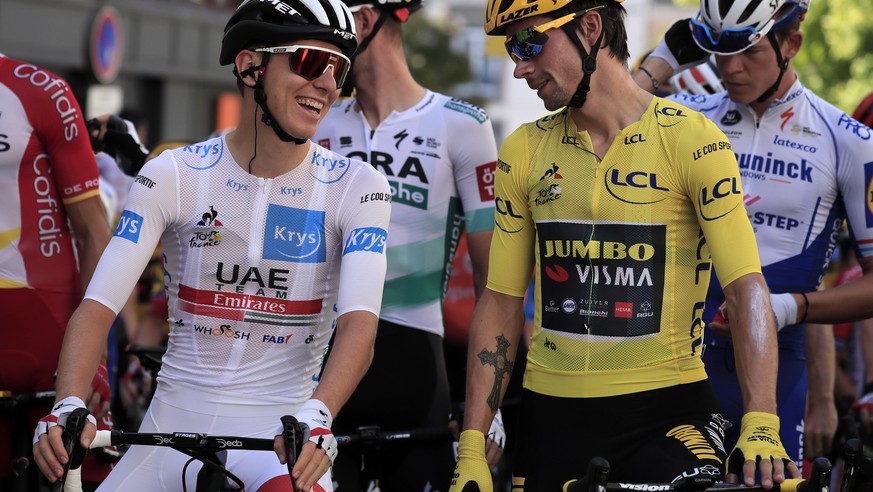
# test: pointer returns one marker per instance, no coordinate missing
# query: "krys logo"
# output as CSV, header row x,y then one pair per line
x,y
294,234
207,154
329,168
370,239
129,226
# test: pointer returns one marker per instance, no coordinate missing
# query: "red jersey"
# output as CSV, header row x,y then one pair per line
x,y
46,163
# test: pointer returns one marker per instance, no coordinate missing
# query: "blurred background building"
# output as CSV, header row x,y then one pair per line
x,y
158,59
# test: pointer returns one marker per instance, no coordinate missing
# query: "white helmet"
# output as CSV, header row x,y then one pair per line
x,y
731,26
702,79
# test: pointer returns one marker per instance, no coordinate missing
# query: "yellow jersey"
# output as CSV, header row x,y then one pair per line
x,y
621,248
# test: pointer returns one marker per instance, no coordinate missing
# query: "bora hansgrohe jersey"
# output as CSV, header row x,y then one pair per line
x,y
439,159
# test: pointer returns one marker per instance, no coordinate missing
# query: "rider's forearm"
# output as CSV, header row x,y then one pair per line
x,y
84,343
349,359
844,303
821,364
754,335
92,234
654,70
495,331
479,248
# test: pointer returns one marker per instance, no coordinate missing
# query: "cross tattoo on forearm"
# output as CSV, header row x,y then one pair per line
x,y
502,366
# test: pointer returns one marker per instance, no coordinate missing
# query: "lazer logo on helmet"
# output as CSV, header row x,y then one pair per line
x,y
519,13
294,234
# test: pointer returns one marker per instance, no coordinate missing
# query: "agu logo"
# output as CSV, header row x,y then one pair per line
x,y
294,234
129,226
868,198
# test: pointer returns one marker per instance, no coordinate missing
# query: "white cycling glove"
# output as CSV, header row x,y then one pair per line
x,y
497,432
60,412
316,420
785,309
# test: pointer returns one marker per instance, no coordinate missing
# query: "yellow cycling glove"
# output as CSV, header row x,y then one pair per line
x,y
472,467
759,440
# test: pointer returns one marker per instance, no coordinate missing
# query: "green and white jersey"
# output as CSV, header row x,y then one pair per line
x,y
439,157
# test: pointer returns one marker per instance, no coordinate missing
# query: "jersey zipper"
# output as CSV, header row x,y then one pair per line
x,y
257,233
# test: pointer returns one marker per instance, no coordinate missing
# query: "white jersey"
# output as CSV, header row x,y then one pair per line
x,y
439,157
805,167
256,270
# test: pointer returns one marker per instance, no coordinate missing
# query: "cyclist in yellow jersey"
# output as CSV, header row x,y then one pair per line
x,y
620,203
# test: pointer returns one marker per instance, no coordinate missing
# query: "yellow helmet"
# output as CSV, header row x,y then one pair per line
x,y
501,13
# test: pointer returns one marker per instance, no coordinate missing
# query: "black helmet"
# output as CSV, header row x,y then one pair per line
x,y
401,9
275,22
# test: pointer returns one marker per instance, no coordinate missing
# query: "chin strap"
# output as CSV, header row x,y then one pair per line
x,y
783,66
589,64
261,100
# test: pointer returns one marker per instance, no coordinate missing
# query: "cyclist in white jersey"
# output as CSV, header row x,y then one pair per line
x,y
806,166
439,155
272,244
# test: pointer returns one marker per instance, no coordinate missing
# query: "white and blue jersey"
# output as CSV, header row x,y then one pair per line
x,y
806,166
256,270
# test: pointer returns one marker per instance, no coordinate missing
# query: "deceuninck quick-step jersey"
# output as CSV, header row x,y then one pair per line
x,y
621,247
806,166
257,270
439,159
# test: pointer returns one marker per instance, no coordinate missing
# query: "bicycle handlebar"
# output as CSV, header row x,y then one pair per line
x,y
374,435
595,480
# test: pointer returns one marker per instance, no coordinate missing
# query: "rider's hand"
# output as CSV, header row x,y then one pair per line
x,y
48,447
720,323
759,448
678,48
100,399
319,447
472,466
819,426
496,440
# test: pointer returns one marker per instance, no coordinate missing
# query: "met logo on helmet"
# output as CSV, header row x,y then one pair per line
x,y
278,5
343,34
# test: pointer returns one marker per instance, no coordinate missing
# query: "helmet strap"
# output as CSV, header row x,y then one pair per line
x,y
267,116
783,66
349,85
589,64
